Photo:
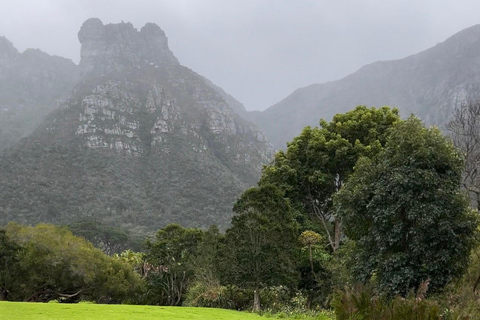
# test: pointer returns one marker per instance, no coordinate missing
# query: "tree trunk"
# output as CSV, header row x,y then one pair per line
x,y
256,300
476,284
478,200
309,300
338,234
311,259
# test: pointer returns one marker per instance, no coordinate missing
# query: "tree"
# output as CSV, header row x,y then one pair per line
x,y
319,161
46,263
465,129
405,211
315,280
9,266
261,244
109,239
309,238
172,257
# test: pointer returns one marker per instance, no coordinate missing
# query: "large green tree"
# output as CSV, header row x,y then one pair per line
x,y
318,162
262,242
405,210
46,262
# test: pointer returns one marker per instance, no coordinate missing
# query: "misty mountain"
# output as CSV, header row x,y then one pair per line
x,y
141,142
428,84
31,83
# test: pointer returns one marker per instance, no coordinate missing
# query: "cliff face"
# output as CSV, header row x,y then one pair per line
x,y
31,83
142,142
120,47
428,84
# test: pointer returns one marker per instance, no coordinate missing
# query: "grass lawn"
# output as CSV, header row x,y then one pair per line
x,y
54,311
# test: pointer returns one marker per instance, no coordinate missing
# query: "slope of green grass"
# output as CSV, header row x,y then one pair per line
x,y
86,311
53,311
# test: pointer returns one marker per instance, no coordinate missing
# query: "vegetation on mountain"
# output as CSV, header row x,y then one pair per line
x,y
141,142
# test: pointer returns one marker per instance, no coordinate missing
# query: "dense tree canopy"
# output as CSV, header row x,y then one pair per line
x,y
318,162
406,213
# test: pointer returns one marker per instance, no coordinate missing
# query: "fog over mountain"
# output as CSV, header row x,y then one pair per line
x,y
258,51
429,84
31,85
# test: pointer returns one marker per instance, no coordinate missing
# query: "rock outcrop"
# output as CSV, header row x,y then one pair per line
x,y
120,47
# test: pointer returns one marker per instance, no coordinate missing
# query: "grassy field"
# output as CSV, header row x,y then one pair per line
x,y
54,311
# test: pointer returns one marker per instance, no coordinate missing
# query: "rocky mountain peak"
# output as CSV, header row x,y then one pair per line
x,y
118,47
7,51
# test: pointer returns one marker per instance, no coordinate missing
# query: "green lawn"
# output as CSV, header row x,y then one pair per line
x,y
81,311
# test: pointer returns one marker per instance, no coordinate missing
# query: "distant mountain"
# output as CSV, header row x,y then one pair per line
x,y
428,84
141,142
31,83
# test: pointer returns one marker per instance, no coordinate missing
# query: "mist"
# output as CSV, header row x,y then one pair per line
x,y
258,51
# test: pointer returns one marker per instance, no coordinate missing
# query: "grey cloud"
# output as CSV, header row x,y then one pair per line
x,y
259,51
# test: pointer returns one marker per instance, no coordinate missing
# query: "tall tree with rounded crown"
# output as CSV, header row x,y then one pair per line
x,y
317,163
406,212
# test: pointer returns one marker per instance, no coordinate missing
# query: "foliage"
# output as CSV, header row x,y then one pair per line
x,y
208,295
362,303
261,244
406,213
110,239
309,238
192,177
172,257
319,161
48,263
461,295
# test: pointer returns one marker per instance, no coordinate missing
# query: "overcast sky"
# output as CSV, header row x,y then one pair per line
x,y
259,51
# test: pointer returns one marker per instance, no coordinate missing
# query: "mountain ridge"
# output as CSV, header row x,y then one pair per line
x,y
429,83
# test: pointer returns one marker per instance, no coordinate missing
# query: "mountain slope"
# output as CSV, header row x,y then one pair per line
x,y
30,85
142,142
428,84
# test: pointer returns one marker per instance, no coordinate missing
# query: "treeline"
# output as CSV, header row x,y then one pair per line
x,y
356,212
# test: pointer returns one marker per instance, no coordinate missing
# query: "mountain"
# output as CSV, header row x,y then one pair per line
x,y
236,105
141,142
428,84
31,84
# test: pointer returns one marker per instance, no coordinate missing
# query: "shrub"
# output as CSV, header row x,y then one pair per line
x,y
363,303
214,295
